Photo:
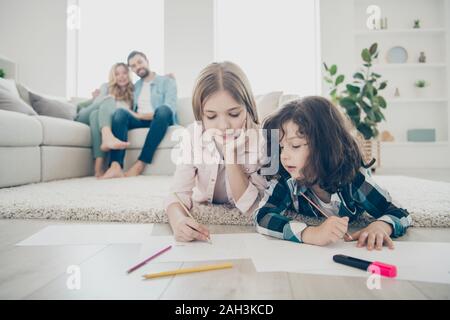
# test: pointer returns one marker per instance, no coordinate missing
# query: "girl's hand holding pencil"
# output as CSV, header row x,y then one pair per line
x,y
330,231
184,226
187,229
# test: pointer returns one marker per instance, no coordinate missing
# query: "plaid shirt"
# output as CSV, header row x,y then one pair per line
x,y
363,194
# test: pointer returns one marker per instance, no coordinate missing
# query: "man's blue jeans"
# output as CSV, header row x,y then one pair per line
x,y
123,121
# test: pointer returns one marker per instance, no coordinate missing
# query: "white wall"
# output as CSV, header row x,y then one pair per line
x,y
280,55
337,42
189,42
33,34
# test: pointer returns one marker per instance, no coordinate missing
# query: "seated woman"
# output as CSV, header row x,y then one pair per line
x,y
117,93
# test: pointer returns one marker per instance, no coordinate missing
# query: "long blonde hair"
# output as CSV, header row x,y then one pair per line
x,y
115,90
226,76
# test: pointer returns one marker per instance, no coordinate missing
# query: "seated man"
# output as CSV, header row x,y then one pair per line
x,y
154,106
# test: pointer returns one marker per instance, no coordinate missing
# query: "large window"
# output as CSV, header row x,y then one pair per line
x,y
108,31
274,41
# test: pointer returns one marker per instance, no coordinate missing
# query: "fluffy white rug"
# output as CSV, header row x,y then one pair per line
x,y
140,199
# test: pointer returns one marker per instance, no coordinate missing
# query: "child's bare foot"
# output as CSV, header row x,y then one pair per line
x,y
113,143
136,169
115,171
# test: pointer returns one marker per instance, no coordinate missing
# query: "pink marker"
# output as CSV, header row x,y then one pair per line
x,y
386,270
148,259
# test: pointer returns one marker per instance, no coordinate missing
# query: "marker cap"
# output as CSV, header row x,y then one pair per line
x,y
386,270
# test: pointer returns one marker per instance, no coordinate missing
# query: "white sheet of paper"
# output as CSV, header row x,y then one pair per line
x,y
223,247
88,234
416,261
103,276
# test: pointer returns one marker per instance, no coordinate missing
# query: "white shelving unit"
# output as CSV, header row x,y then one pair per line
x,y
411,110
409,65
399,32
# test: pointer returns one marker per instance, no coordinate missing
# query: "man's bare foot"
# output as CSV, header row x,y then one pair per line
x,y
115,171
136,169
99,170
113,144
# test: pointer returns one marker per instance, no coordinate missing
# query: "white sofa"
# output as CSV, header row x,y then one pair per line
x,y
39,148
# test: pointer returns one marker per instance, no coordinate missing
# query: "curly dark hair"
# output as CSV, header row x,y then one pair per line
x,y
335,156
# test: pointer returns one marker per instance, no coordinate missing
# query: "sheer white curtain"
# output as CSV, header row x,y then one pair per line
x,y
276,42
109,31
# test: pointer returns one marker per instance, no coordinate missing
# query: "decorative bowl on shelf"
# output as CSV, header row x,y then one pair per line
x,y
397,54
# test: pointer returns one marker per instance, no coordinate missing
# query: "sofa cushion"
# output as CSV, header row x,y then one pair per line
x,y
136,137
65,162
24,93
267,103
185,113
61,132
19,130
52,108
10,86
285,98
9,102
19,165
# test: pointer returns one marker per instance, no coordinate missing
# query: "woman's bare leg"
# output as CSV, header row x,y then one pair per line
x,y
98,167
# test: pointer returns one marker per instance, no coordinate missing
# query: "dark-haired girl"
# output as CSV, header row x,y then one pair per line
x,y
322,161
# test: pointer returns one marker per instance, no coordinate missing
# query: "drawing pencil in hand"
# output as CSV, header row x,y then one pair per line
x,y
188,212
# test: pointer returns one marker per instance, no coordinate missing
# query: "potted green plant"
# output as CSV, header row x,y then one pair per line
x,y
2,73
360,99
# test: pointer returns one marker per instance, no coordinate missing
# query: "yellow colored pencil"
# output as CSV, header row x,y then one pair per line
x,y
188,212
188,270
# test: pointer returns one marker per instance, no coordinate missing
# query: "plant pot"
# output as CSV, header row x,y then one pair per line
x,y
370,150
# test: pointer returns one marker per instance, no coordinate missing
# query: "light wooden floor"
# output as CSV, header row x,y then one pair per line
x,y
40,272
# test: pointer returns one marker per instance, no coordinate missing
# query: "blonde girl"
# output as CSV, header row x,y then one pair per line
x,y
225,111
